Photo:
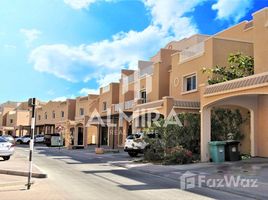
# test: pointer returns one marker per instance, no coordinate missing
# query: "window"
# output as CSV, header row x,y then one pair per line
x,y
189,83
11,121
45,115
81,111
104,104
143,96
62,114
53,115
39,117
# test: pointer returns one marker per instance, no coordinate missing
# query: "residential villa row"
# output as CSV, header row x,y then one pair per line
x,y
171,81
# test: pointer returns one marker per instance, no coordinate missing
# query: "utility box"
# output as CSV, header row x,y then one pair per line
x,y
217,151
56,141
231,150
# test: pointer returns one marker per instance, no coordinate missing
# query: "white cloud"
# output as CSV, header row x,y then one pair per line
x,y
103,60
79,4
64,98
10,46
108,78
31,35
82,4
86,91
232,10
169,15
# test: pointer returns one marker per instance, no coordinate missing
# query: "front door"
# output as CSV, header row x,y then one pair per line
x,y
104,135
80,136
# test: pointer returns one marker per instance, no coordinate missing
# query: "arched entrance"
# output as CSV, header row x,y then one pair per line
x,y
256,106
80,134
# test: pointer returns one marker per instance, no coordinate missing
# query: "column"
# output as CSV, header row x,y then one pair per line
x,y
205,133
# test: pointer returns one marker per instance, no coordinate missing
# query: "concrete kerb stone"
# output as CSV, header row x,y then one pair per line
x,y
22,173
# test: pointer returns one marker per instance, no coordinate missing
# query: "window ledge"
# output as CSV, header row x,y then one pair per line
x,y
189,92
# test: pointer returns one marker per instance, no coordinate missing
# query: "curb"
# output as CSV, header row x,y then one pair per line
x,y
22,173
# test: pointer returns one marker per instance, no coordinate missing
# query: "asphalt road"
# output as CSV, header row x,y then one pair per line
x,y
81,175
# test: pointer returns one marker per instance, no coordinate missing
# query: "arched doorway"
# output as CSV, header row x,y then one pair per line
x,y
249,103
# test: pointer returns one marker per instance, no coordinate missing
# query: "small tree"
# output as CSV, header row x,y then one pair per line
x,y
239,66
225,121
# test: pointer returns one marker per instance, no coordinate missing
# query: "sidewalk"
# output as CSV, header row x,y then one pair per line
x,y
255,168
19,165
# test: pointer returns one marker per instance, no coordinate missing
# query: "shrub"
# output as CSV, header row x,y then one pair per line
x,y
178,155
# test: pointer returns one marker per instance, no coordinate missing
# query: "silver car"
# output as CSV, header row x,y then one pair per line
x,y
9,138
6,149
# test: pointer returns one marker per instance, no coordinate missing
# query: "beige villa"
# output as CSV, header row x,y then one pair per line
x,y
14,118
171,82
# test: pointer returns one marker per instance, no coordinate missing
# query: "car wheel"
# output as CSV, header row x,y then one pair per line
x,y
28,142
6,157
19,142
132,154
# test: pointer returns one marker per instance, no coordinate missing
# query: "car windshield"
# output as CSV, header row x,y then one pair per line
x,y
130,137
2,139
25,136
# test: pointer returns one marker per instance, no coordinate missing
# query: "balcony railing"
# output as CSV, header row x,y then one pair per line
x,y
119,106
106,89
124,106
129,104
192,51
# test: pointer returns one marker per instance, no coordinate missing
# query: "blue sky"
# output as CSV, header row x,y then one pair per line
x,y
56,49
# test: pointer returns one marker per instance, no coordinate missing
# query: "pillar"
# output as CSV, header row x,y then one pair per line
x,y
253,132
205,133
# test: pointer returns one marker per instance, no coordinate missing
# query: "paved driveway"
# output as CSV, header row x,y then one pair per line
x,y
81,174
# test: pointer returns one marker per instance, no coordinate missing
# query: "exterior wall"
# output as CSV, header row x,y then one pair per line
x,y
262,137
260,20
216,52
92,135
157,84
19,118
126,87
68,107
110,97
239,32
3,115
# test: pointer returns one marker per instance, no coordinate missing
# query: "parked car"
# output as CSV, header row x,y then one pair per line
x,y
23,140
136,144
39,138
47,138
9,138
6,149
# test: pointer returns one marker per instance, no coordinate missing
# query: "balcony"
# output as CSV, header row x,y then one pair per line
x,y
192,52
118,107
128,105
106,89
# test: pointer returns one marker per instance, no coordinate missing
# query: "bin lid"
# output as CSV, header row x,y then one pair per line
x,y
232,142
217,143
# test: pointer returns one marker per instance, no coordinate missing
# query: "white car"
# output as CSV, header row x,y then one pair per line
x,y
23,140
6,149
39,138
135,144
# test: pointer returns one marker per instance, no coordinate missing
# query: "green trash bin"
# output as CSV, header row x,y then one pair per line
x,y
217,151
